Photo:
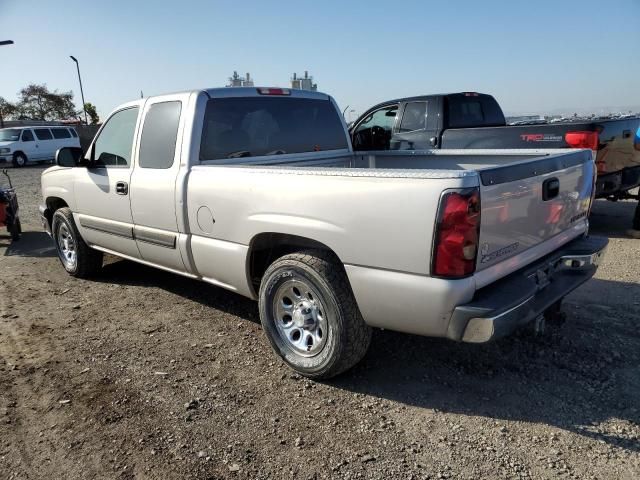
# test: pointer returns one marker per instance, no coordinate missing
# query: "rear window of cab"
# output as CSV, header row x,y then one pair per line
x,y
259,126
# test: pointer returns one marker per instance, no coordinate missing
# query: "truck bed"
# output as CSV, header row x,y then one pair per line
x,y
436,163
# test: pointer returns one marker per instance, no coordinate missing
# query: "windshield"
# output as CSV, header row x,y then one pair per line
x,y
10,134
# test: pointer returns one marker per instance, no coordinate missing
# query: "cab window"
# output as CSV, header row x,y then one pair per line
x,y
27,136
375,130
414,117
159,135
113,146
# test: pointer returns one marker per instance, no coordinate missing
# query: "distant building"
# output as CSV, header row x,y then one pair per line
x,y
238,81
303,83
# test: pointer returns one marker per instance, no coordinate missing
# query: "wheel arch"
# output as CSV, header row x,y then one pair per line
x,y
53,204
267,247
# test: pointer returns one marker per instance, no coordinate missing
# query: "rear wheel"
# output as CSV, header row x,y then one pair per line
x,y
636,218
19,160
77,258
310,316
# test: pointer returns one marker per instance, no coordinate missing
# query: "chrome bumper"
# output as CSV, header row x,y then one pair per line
x,y
502,307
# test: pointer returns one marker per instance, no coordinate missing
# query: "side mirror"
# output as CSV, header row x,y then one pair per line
x,y
69,157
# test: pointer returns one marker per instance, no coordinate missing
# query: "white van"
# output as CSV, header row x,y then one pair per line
x,y
20,145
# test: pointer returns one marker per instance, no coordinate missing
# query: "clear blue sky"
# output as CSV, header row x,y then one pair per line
x,y
533,56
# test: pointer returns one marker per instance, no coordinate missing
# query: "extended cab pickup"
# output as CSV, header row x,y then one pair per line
x,y
258,190
475,120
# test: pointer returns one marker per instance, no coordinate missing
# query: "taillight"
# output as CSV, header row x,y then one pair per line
x,y
588,140
457,231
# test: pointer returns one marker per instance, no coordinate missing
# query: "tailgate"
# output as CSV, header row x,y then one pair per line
x,y
525,204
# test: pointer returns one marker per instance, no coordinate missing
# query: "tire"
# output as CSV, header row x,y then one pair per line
x,y
16,230
77,258
636,217
19,160
324,334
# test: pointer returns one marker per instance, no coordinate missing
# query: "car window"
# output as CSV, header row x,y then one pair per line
x,y
9,135
414,117
73,133
43,133
249,127
27,136
113,146
473,110
159,133
375,130
60,133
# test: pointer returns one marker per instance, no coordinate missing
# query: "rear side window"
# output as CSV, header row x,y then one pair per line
x,y
73,133
27,136
414,117
255,126
473,111
60,133
43,133
159,133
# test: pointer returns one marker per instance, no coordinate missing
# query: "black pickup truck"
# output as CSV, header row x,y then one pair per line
x,y
475,120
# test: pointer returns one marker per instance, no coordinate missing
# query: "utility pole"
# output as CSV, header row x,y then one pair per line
x,y
4,42
81,92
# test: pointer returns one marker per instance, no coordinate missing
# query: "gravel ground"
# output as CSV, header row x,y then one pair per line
x,y
143,374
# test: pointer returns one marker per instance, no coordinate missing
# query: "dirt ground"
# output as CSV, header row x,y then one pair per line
x,y
143,374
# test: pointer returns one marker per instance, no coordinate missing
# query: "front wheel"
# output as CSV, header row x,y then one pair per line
x,y
310,316
19,160
77,258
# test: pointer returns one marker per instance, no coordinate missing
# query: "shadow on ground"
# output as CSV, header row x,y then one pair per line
x,y
612,219
582,374
31,244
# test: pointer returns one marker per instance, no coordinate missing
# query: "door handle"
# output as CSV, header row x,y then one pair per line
x,y
122,188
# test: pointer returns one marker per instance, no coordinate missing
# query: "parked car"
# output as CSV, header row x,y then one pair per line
x,y
257,190
475,120
21,145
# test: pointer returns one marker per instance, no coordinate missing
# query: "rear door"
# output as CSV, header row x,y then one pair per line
x,y
153,182
61,138
531,207
418,126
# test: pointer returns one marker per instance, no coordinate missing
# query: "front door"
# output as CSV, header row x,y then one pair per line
x,y
374,130
29,144
103,209
153,182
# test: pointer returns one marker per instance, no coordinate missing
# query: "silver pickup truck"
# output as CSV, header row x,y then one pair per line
x,y
258,190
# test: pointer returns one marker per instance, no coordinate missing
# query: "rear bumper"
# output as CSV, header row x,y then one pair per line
x,y
500,308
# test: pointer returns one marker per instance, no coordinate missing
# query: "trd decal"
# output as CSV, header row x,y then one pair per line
x,y
540,137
